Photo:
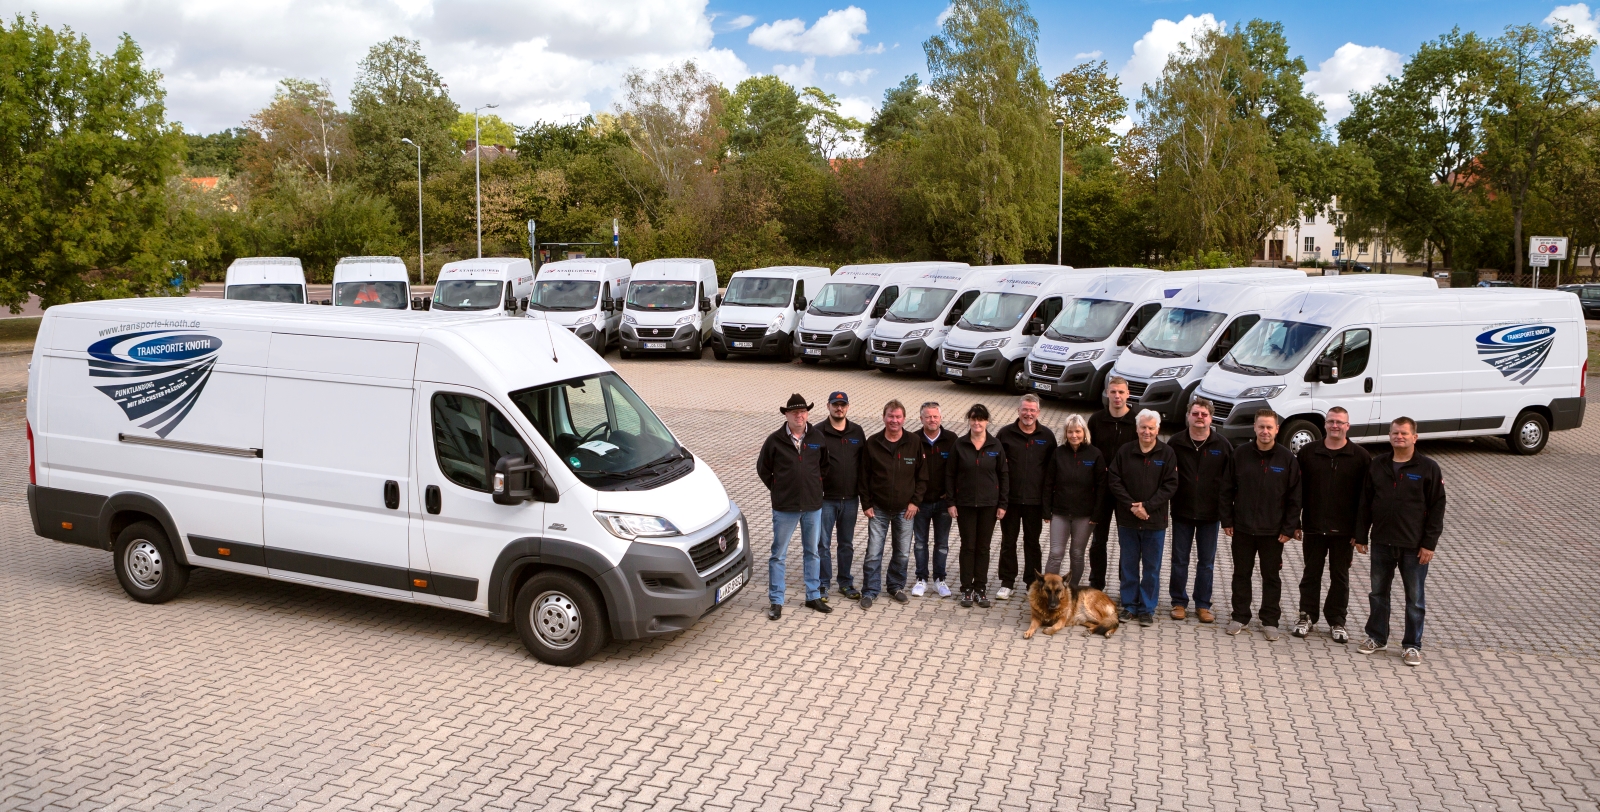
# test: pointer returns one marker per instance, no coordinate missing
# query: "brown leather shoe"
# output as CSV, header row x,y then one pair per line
x,y
1206,616
1179,613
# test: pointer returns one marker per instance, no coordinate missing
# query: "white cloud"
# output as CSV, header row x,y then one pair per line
x,y
1351,68
1086,55
1161,41
834,34
741,22
801,75
944,15
852,77
1584,23
857,107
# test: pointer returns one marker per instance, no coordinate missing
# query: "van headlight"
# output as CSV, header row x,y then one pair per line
x,y
1173,372
1086,355
629,319
1263,392
633,525
775,326
716,321
584,319
682,320
994,343
849,325
923,333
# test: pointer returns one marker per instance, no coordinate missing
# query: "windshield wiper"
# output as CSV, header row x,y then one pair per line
x,y
678,455
1145,349
1251,369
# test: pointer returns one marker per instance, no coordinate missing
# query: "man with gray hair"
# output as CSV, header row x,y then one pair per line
x,y
1029,446
1142,479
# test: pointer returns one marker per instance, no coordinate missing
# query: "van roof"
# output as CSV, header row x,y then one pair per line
x,y
1330,307
265,270
784,271
504,266
675,268
602,264
1244,293
1127,287
887,270
386,269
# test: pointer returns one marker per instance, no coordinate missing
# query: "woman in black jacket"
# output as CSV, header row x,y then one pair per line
x,y
977,480
1074,481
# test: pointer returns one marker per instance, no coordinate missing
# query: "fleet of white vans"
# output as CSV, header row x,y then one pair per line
x,y
497,285
584,296
487,465
912,330
761,310
842,314
265,279
670,307
380,282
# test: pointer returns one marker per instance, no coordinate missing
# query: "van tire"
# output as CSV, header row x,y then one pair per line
x,y
1529,434
146,565
624,354
1303,431
560,618
1017,377
697,349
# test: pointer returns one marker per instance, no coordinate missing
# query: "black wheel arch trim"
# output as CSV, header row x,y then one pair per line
x,y
141,503
540,552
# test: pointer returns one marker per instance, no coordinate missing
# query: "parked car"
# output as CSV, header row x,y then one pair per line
x,y
1494,283
1351,266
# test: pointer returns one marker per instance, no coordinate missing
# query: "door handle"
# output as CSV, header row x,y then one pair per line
x,y
1366,386
391,495
430,499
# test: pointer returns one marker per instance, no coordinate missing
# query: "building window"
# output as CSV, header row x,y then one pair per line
x,y
1361,248
1339,246
1311,245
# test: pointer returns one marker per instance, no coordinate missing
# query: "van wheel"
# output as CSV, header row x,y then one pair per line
x,y
560,618
624,354
864,359
1528,434
1300,433
696,349
719,353
146,565
1017,377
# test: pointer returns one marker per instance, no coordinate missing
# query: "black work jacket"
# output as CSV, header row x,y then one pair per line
x,y
893,474
1402,508
1202,468
936,456
1110,434
1262,496
1027,455
794,477
1330,487
978,477
844,459
1152,479
1073,481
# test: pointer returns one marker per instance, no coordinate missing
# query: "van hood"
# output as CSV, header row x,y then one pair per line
x,y
1049,350
566,318
1143,366
690,503
896,330
751,316
659,318
828,324
1227,385
970,339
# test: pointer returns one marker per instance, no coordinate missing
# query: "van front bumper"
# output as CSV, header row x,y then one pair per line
x,y
764,344
1166,397
987,367
658,339
589,335
1073,381
912,355
843,346
665,594
1239,426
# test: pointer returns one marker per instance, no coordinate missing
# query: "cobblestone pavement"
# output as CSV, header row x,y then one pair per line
x,y
252,694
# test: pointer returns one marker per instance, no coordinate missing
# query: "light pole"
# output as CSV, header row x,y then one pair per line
x,y
422,268
477,170
1061,181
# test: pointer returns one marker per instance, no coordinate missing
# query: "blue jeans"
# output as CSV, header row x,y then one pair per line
x,y
1385,559
878,529
1185,536
1140,548
783,524
838,515
936,515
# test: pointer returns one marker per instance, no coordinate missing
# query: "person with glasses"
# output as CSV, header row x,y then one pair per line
x,y
1332,474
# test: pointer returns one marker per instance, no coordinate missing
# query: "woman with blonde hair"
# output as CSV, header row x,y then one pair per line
x,y
1074,480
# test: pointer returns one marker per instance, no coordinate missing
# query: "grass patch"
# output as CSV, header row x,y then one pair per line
x,y
1594,352
19,333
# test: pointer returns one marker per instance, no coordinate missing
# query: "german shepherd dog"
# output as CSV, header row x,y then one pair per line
x,y
1050,604
1093,610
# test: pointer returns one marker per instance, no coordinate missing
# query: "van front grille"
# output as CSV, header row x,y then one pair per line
x,y
711,552
958,357
1220,409
815,338
885,346
1136,389
735,333
1044,370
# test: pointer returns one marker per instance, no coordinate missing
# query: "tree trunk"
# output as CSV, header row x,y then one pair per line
x,y
1516,247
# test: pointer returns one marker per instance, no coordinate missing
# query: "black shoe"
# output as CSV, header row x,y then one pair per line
x,y
775,611
852,593
819,605
900,596
866,601
983,599
1147,620
1124,616
966,599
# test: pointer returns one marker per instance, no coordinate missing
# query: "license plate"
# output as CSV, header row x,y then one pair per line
x,y
810,351
744,344
655,345
1042,387
727,589
952,372
880,359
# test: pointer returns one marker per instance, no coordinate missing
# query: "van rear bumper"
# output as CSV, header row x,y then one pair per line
x,y
67,516
1566,413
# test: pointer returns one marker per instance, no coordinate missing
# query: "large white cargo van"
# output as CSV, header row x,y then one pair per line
x,y
266,279
912,330
761,310
584,296
378,282
842,314
488,465
486,285
1499,362
670,307
1176,349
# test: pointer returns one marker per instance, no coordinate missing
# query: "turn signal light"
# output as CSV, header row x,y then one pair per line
x,y
224,551
66,525
419,583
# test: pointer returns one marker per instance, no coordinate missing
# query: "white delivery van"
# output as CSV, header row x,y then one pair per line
x,y
670,307
1498,362
380,282
761,310
1076,354
584,296
842,314
486,465
1194,329
991,341
912,330
486,285
266,279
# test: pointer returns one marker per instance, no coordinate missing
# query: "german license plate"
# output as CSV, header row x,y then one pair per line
x,y
744,344
880,359
952,372
1042,387
655,345
727,589
810,351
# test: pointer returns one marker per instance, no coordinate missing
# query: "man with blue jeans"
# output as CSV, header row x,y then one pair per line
x,y
933,515
1143,478
1402,517
840,494
792,464
1205,459
893,480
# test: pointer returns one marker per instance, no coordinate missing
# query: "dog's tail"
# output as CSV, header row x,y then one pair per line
x,y
1106,628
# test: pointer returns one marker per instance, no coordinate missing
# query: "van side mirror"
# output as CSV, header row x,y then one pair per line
x,y
719,300
416,303
705,305
427,303
1326,370
955,316
522,304
518,479
608,305
1035,327
800,303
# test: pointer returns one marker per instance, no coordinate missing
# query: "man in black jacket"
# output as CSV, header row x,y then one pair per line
x,y
792,464
1260,507
1205,460
1402,516
1332,474
893,479
1029,446
845,441
930,530
1142,479
1110,429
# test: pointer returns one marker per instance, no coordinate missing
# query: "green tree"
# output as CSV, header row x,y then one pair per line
x,y
904,114
1294,118
397,96
1088,99
827,131
764,111
672,117
492,131
303,127
220,153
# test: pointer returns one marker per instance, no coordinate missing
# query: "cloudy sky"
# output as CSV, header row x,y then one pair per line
x,y
556,59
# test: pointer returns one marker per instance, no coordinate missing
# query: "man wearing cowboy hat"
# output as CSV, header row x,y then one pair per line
x,y
792,464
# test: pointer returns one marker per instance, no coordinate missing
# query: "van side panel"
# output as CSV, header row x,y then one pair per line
x,y
1520,355
1420,364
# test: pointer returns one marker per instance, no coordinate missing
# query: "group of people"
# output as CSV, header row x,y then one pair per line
x,y
1334,497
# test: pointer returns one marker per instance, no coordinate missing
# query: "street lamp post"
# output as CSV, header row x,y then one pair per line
x,y
422,267
477,170
1061,181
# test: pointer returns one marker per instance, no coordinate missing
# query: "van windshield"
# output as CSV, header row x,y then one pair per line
x,y
467,294
277,292
564,294
920,305
600,428
996,312
1273,347
758,291
1087,320
1176,333
387,295
841,299
657,295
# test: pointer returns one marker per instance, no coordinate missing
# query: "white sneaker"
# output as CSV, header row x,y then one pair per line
x,y
1003,594
920,589
944,591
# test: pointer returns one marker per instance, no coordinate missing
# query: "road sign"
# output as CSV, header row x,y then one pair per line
x,y
1548,247
1335,253
1539,260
